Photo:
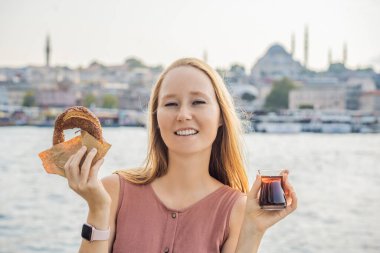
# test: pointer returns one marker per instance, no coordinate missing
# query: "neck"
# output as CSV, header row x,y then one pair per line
x,y
188,173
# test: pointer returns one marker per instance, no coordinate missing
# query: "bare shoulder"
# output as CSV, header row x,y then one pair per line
x,y
112,184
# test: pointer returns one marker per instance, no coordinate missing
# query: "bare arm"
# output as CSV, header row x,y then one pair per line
x,y
112,185
99,219
236,219
101,197
249,239
249,222
241,234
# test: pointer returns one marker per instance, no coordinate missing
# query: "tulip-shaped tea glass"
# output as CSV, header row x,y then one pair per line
x,y
272,196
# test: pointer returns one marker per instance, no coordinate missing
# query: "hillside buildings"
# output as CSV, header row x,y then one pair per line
x,y
127,86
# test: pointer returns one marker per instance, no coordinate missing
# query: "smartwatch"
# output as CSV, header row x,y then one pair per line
x,y
90,233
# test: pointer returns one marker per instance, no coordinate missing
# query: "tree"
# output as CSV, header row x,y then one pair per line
x,y
88,100
29,99
237,68
158,68
110,101
278,98
134,63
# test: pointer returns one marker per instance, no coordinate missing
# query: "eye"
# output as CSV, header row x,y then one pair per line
x,y
196,102
170,104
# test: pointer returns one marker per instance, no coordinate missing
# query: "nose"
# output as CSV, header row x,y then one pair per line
x,y
184,114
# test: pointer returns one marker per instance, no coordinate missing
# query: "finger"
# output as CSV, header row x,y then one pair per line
x,y
284,172
95,170
67,165
77,158
74,169
290,191
285,184
293,206
84,170
288,188
253,193
71,179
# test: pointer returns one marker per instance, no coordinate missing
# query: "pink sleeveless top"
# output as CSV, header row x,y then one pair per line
x,y
145,225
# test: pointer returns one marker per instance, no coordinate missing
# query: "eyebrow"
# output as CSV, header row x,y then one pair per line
x,y
192,93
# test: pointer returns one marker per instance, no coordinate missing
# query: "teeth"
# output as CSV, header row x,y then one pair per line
x,y
186,132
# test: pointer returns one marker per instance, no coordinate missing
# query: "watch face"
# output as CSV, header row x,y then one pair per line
x,y
86,232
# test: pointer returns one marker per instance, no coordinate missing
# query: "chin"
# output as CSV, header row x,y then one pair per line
x,y
189,149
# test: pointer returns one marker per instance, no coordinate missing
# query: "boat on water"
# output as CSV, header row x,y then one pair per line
x,y
365,124
273,123
335,123
317,122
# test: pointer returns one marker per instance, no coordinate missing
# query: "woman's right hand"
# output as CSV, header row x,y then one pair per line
x,y
261,219
84,180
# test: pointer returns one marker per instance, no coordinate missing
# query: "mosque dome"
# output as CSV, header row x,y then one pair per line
x,y
276,64
276,49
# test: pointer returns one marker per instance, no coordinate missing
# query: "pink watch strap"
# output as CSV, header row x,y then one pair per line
x,y
99,235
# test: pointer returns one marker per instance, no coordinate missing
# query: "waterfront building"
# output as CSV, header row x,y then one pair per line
x,y
319,97
141,77
3,96
135,99
370,101
14,93
93,73
61,95
366,83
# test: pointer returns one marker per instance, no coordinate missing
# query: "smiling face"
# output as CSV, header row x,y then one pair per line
x,y
188,113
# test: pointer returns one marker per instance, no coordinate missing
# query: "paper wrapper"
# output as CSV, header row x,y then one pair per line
x,y
54,159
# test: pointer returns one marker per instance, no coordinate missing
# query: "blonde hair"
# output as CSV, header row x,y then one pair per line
x,y
226,161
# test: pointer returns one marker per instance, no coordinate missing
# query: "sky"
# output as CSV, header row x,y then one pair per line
x,y
159,32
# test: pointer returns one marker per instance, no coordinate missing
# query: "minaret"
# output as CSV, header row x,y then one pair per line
x,y
344,60
205,56
293,45
47,51
306,47
330,57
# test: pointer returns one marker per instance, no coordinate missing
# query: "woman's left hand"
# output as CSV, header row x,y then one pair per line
x,y
259,219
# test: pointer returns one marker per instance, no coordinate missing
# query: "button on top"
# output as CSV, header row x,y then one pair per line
x,y
174,215
166,250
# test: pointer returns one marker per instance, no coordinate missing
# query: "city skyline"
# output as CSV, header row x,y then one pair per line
x,y
160,32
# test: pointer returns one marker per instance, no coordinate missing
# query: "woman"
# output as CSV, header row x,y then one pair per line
x,y
192,195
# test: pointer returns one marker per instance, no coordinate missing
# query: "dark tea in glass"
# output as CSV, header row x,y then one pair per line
x,y
272,196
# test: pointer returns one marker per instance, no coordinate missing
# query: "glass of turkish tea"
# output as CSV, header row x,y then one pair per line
x,y
272,195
